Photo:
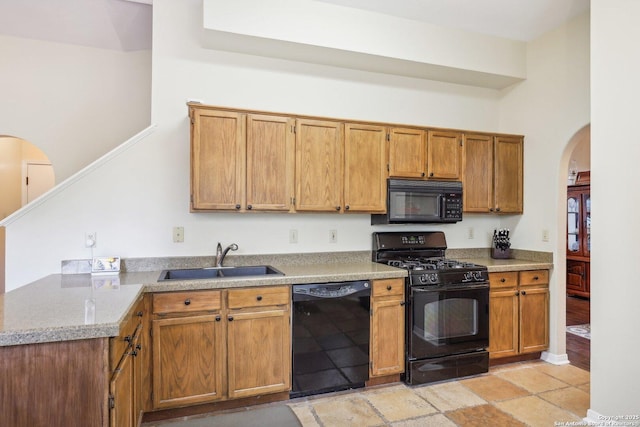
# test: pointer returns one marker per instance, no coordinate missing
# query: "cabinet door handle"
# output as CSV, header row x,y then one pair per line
x,y
388,287
187,301
403,303
524,292
237,207
490,209
423,174
431,174
497,209
338,208
259,297
230,318
517,293
128,338
535,277
346,208
249,207
139,314
218,318
503,280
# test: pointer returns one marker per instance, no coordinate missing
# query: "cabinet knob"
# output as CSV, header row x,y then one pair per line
x,y
187,301
503,280
422,174
218,318
338,208
524,292
230,318
497,209
431,174
346,208
128,338
138,347
249,207
238,207
259,297
517,293
134,353
388,287
139,314
535,277
402,303
490,209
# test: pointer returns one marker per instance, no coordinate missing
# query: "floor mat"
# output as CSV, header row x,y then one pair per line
x,y
583,331
269,416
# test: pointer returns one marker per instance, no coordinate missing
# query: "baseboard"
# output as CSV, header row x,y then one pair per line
x,y
555,359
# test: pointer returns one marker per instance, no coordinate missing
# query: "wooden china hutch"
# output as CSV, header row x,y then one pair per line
x,y
579,236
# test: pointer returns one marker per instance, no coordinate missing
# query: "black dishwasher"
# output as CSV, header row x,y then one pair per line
x,y
330,337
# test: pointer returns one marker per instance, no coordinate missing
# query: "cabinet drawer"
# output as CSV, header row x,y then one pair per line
x,y
258,297
383,288
507,279
185,302
534,277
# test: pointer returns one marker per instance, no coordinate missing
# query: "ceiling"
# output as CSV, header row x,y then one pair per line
x,y
126,24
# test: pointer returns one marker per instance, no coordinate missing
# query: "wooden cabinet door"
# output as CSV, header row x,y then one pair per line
x,y
319,147
122,392
477,173
407,153
387,328
259,352
270,162
217,160
444,155
576,276
534,319
503,323
365,176
188,359
508,172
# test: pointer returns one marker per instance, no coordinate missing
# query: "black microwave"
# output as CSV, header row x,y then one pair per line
x,y
411,201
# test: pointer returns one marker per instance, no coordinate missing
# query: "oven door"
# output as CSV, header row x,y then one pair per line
x,y
447,320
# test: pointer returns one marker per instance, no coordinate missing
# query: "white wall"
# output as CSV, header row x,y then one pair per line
x,y
10,175
615,229
73,102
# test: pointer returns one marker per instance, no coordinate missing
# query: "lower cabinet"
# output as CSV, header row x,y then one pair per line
x,y
387,327
578,273
519,312
220,344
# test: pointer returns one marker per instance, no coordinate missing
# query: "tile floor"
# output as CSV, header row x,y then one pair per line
x,y
520,394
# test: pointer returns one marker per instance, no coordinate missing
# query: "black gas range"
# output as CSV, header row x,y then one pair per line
x,y
447,310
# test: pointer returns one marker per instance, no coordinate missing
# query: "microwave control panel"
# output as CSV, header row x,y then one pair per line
x,y
453,206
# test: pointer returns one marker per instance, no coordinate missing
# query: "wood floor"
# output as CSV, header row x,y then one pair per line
x,y
578,348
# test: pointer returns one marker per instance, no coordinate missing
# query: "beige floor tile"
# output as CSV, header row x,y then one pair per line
x,y
437,420
483,415
449,396
305,414
531,379
569,374
399,404
346,411
492,388
570,398
585,387
535,411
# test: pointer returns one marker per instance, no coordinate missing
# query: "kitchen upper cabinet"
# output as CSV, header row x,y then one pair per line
x,y
492,173
444,155
270,162
508,174
518,312
387,327
365,177
407,153
217,159
319,165
241,162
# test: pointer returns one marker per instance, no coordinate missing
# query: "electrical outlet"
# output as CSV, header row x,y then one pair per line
x,y
333,236
470,233
293,236
178,234
545,235
90,240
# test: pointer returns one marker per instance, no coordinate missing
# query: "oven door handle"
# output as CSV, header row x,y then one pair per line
x,y
425,289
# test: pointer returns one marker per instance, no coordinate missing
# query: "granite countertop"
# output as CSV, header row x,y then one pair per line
x,y
63,307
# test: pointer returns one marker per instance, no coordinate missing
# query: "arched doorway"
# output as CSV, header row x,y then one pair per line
x,y
25,174
576,157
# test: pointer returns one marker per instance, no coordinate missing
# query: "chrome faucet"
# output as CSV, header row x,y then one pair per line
x,y
220,254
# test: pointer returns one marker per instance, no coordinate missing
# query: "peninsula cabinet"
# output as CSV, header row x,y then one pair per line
x,y
519,312
214,345
387,327
493,173
241,162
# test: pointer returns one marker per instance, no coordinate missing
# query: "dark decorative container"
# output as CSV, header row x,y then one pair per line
x,y
497,253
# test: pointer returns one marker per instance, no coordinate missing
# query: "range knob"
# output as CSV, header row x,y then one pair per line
x,y
477,275
428,278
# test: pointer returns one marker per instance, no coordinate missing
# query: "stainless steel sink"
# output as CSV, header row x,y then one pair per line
x,y
218,272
